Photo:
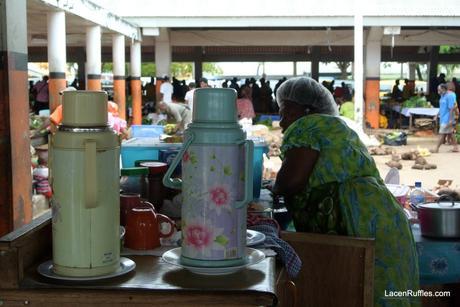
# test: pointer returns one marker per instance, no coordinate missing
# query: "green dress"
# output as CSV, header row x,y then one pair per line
x,y
346,196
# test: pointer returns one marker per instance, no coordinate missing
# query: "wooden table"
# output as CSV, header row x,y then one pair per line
x,y
153,283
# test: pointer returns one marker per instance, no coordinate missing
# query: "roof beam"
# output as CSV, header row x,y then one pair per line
x,y
92,12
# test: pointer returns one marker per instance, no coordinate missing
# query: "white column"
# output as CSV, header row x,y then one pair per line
x,y
358,68
93,50
135,63
373,52
118,54
56,42
163,53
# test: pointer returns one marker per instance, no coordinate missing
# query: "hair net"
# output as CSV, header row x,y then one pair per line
x,y
309,93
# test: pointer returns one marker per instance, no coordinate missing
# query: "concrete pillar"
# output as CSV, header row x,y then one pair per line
x,y
433,67
57,59
294,66
412,71
93,58
163,53
372,89
15,177
119,83
136,88
81,75
315,63
358,68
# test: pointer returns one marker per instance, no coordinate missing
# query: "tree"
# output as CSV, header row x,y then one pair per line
x,y
449,68
343,66
180,70
212,69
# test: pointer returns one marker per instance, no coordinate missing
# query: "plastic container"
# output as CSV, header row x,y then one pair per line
x,y
148,131
273,117
143,149
400,192
417,196
260,147
134,180
167,156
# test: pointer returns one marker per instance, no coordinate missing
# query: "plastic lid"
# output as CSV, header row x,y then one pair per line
x,y
418,184
134,171
215,105
155,168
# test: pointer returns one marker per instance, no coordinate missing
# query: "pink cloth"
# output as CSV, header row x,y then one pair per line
x,y
245,108
116,123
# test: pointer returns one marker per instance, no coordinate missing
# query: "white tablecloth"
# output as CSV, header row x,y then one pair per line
x,y
417,111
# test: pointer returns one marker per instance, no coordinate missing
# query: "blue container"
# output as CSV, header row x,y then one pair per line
x,y
149,149
143,149
260,147
167,156
274,117
146,131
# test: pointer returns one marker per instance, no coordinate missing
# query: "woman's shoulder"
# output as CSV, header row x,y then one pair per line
x,y
318,121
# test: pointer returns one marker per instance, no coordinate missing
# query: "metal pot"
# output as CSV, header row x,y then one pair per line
x,y
440,220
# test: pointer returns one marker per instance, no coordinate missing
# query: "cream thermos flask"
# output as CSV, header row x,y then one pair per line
x,y
85,182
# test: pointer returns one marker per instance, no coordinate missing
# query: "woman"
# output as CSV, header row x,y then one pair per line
x,y
244,104
332,186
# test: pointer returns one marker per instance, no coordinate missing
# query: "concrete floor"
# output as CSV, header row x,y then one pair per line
x,y
448,163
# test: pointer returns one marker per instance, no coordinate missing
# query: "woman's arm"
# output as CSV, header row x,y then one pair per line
x,y
295,171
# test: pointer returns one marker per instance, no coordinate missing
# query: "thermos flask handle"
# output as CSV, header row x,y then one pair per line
x,y
248,174
176,183
90,174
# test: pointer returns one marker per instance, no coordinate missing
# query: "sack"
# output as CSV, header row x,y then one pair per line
x,y
395,139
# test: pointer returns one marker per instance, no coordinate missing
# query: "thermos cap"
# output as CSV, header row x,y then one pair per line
x,y
215,105
84,109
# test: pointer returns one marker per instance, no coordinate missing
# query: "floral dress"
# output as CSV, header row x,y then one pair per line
x,y
346,196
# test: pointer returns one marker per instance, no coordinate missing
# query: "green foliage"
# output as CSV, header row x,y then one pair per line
x,y
448,68
148,69
182,70
449,49
212,69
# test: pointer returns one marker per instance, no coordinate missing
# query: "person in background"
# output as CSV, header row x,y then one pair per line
x,y
347,108
166,90
396,93
331,185
41,94
407,91
383,120
447,106
189,95
244,104
204,83
177,112
234,85
150,93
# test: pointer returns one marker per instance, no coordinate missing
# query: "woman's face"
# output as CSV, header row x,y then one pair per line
x,y
290,112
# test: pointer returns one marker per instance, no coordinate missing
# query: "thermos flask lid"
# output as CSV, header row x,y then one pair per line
x,y
84,109
215,105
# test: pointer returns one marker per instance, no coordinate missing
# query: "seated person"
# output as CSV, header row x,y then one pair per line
x,y
331,185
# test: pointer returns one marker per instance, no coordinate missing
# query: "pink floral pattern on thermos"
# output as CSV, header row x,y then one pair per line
x,y
213,180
